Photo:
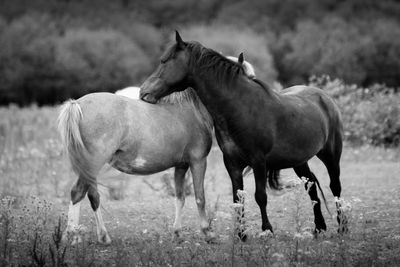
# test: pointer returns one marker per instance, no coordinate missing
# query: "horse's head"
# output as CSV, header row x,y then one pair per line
x,y
171,75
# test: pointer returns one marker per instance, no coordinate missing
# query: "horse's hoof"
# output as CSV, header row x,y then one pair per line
x,y
177,238
267,227
71,236
211,237
242,237
343,224
343,229
104,239
318,232
319,228
76,239
266,234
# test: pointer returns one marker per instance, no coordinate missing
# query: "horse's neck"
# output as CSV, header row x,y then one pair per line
x,y
222,99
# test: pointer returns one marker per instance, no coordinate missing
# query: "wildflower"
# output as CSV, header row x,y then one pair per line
x,y
303,235
343,205
278,256
266,233
237,205
327,243
396,237
241,194
298,236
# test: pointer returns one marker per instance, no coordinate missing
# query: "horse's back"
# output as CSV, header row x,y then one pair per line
x,y
317,99
314,95
125,119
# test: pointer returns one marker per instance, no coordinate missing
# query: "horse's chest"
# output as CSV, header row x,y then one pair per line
x,y
226,142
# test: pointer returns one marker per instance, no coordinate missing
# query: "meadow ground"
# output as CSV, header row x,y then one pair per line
x,y
139,211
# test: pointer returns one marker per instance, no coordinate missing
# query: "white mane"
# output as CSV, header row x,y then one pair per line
x,y
248,68
131,92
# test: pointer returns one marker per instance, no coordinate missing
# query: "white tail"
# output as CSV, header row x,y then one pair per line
x,y
68,126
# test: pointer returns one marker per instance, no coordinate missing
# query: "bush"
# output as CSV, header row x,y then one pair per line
x,y
358,52
232,41
41,63
370,115
332,47
382,56
102,60
25,45
147,37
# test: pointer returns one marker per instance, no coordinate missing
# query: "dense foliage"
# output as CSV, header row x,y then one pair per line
x,y
55,49
370,115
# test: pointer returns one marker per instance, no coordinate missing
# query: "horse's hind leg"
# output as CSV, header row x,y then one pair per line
x,y
198,169
94,198
330,156
179,177
78,192
311,187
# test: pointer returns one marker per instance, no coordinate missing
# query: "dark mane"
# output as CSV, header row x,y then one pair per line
x,y
264,85
208,61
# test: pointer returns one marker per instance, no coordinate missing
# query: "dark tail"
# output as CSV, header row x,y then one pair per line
x,y
273,177
323,196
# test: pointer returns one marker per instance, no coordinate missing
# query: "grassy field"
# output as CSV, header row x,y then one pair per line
x,y
35,180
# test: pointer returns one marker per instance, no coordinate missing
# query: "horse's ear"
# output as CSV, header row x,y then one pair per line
x,y
241,58
179,40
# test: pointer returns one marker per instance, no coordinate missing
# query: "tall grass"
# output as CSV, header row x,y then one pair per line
x,y
140,223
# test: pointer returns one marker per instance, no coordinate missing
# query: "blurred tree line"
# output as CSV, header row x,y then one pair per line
x,y
51,50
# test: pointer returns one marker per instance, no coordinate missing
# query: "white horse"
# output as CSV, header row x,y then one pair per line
x,y
133,91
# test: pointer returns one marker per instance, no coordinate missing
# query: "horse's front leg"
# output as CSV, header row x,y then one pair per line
x,y
179,177
198,169
260,176
235,167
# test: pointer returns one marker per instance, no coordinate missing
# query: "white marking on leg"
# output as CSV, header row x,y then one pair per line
x,y
102,234
73,216
179,203
73,224
198,171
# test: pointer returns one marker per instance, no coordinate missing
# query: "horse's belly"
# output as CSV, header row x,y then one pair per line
x,y
291,156
141,165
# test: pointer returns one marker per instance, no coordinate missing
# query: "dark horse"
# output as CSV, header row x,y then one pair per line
x,y
255,126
